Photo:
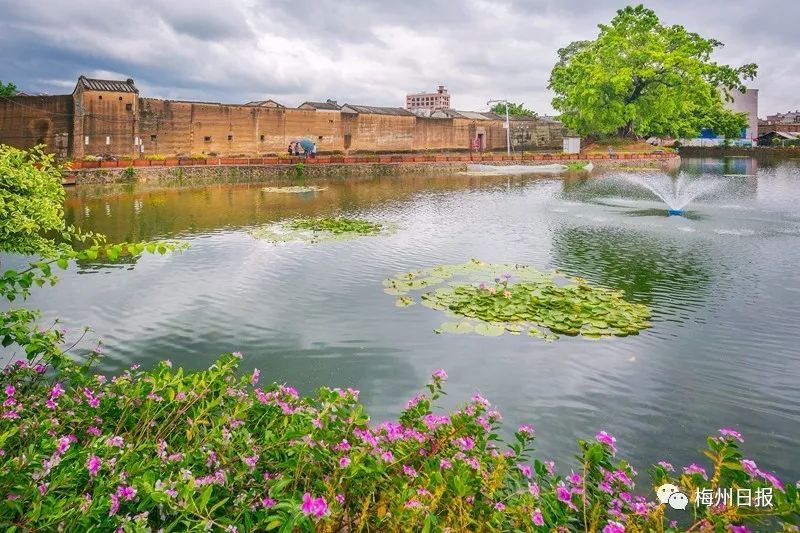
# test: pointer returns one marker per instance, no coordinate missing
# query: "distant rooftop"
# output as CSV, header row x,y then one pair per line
x,y
264,103
375,110
117,86
328,105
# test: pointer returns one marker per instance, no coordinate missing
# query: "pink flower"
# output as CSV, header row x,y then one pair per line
x,y
608,440
772,479
750,467
237,355
126,492
268,502
538,519
387,456
93,465
695,469
666,466
410,404
605,486
477,398
533,488
340,498
731,433
92,430
10,390
251,461
409,471
526,429
314,506
444,464
115,441
42,488
465,443
412,503
114,507
254,377
439,375
526,470
574,478
614,527
344,462
739,529
500,506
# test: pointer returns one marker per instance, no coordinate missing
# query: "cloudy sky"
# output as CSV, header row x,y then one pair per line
x,y
360,52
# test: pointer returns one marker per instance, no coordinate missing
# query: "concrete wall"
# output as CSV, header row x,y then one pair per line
x,y
107,120
26,121
746,102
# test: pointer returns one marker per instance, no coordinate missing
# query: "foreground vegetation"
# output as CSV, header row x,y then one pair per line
x,y
165,449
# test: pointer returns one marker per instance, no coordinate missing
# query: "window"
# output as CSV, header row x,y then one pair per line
x,y
262,138
153,138
230,136
120,98
207,138
319,138
100,97
128,107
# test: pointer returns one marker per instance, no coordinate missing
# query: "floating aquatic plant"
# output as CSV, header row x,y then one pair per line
x,y
319,229
294,189
492,299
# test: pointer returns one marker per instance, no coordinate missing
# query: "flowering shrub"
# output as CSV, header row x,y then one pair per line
x,y
176,450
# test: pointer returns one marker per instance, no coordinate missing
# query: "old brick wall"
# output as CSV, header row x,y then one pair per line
x,y
107,120
26,121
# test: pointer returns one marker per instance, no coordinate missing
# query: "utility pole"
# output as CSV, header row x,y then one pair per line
x,y
508,126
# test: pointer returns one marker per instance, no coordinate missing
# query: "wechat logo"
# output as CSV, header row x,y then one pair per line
x,y
672,496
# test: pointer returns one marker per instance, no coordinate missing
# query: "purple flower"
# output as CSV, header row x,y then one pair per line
x,y
614,527
605,486
564,494
739,529
412,503
477,398
500,506
465,443
114,507
268,502
507,276
574,478
750,467
538,519
314,506
340,498
93,430
126,492
444,464
731,433
533,488
387,456
42,488
526,470
409,471
695,469
237,355
439,375
115,441
772,479
93,465
344,462
608,440
666,466
254,377
251,461
10,390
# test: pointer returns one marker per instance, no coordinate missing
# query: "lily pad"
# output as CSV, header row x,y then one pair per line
x,y
500,297
314,230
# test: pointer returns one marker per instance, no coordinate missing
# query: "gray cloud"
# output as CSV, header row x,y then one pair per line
x,y
364,52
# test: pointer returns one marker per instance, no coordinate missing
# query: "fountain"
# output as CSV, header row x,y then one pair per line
x,y
676,193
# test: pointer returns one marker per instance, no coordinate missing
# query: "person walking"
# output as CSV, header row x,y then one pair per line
x,y
291,149
314,150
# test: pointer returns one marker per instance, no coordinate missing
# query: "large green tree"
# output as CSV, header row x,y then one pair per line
x,y
7,89
513,109
640,77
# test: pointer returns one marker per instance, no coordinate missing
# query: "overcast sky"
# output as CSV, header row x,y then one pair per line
x,y
360,52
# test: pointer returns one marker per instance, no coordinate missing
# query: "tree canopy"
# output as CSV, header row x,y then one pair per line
x,y
7,89
639,77
513,109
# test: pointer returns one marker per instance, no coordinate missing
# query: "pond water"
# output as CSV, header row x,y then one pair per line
x,y
723,283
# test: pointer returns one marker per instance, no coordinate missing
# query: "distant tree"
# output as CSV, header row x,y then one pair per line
x,y
7,89
513,109
640,77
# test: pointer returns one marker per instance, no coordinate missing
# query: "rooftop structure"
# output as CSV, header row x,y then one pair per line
x,y
790,117
376,110
91,84
327,105
265,103
433,101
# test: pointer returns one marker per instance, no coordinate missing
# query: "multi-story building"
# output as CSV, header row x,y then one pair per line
x,y
790,117
431,101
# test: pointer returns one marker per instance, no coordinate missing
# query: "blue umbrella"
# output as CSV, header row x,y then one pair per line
x,y
306,145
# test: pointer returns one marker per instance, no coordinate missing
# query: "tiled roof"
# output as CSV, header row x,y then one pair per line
x,y
264,103
327,106
91,84
375,110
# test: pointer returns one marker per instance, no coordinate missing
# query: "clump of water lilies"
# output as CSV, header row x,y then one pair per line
x,y
294,189
519,299
319,229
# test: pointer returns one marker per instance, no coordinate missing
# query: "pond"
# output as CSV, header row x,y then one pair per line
x,y
723,283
